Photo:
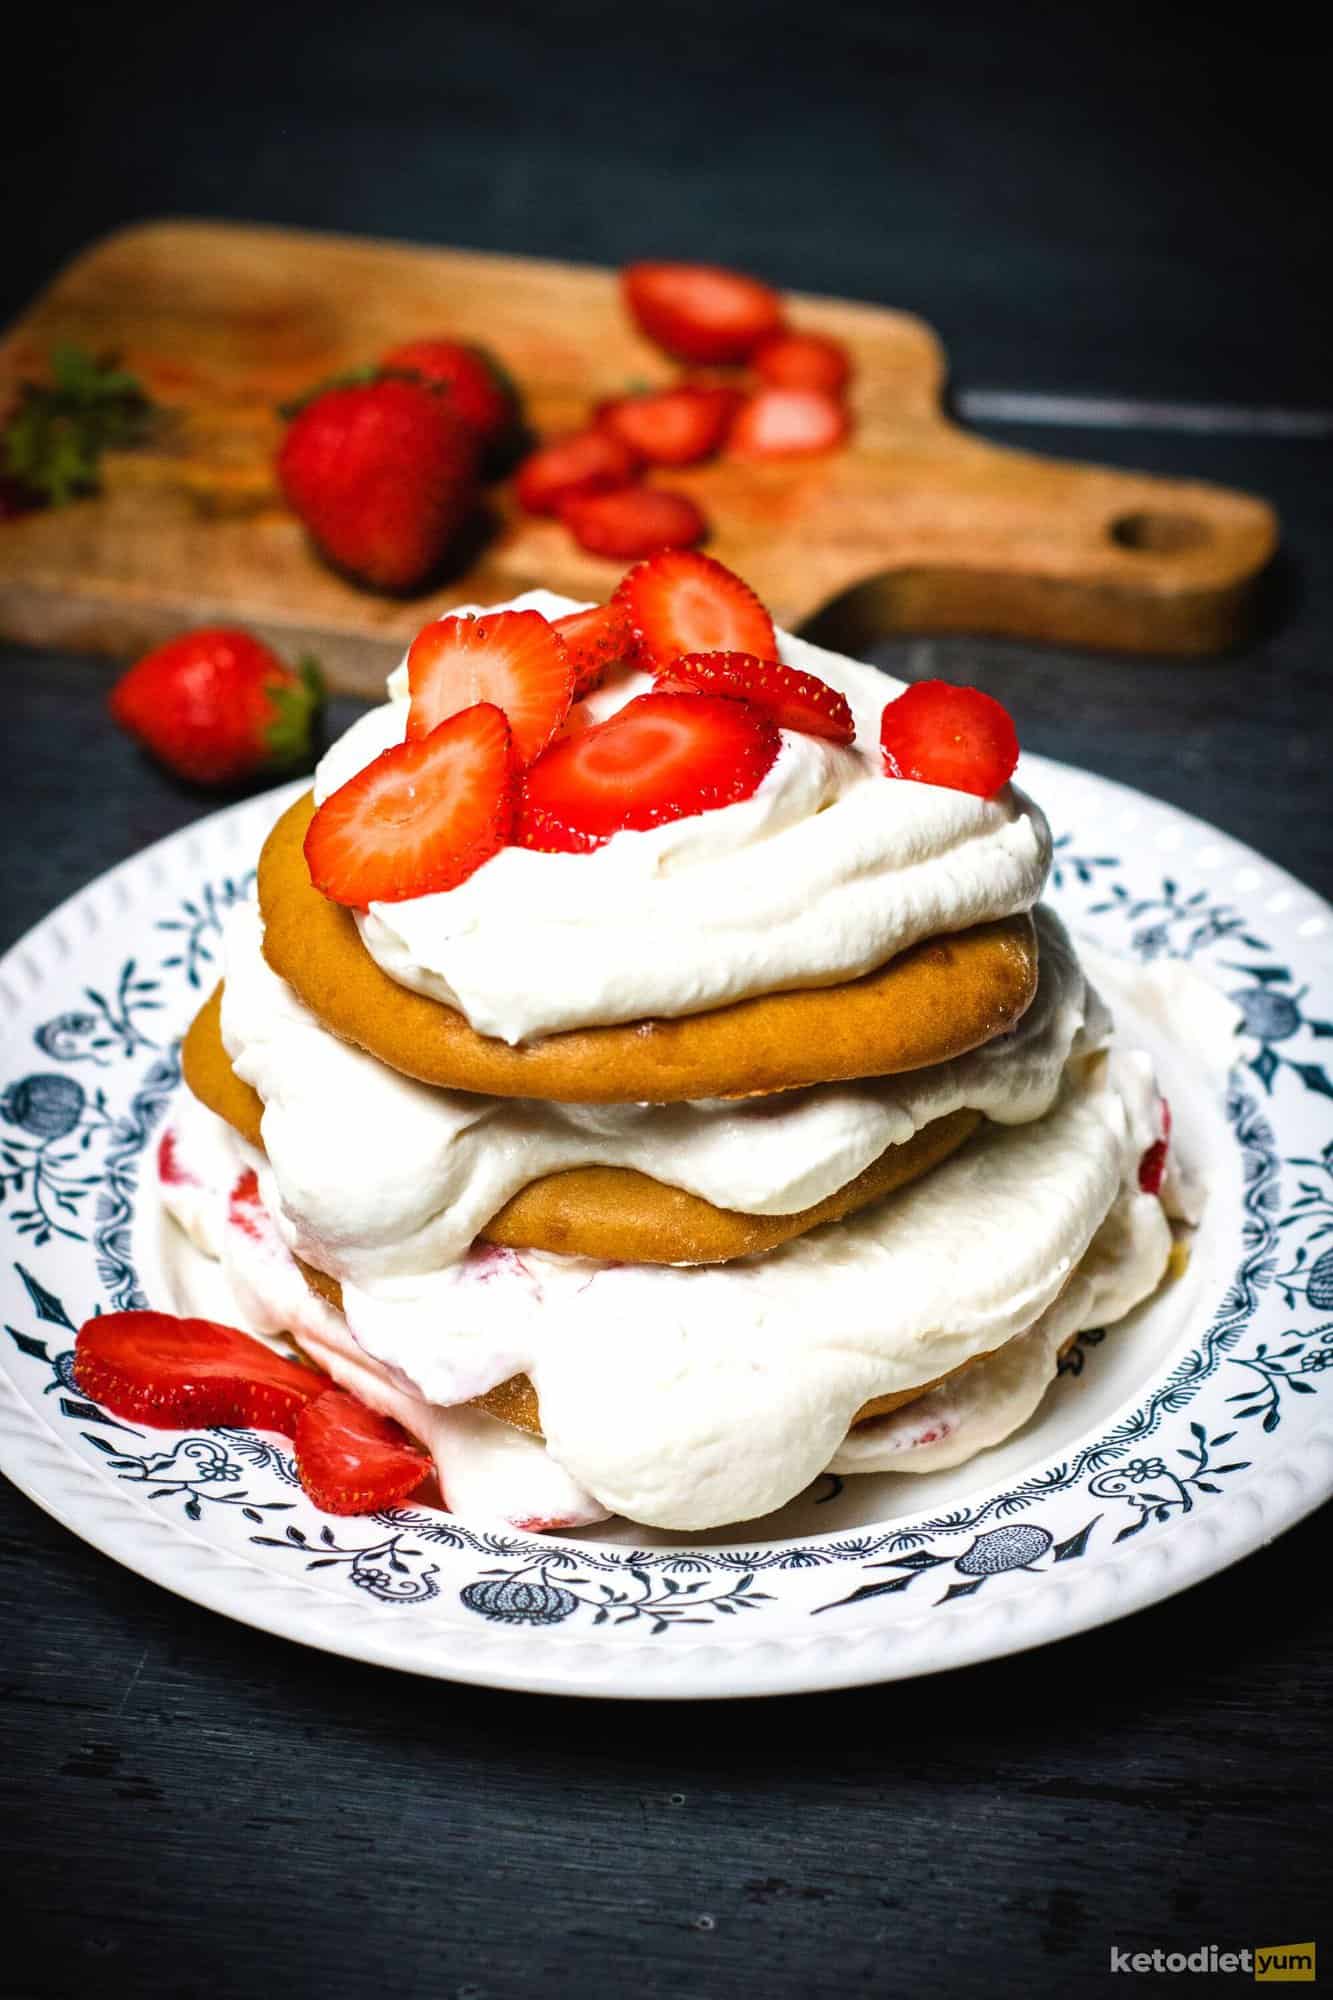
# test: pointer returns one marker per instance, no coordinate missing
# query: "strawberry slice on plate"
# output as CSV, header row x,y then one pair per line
x,y
175,1373
351,1460
678,426
701,312
660,758
596,640
803,361
636,521
684,602
788,423
515,659
793,699
957,737
591,461
421,817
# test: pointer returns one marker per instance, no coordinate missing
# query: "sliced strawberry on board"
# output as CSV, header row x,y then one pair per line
x,y
803,361
515,659
793,699
701,312
958,737
636,521
597,640
175,1373
684,602
591,461
351,1460
659,758
788,423
419,819
678,426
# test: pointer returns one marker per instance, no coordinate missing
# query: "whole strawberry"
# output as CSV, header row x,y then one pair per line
x,y
383,474
219,707
473,383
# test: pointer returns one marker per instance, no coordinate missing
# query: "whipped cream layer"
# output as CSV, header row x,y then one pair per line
x,y
828,871
379,1176
690,1396
488,1469
485,1469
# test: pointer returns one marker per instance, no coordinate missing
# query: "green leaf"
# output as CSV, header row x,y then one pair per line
x,y
57,431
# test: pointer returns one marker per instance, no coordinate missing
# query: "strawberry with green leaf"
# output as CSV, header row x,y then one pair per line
x,y
219,707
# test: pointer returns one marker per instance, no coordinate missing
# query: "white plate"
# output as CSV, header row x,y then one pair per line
x,y
1187,1437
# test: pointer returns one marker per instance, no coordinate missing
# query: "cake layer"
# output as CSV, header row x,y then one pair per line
x,y
614,1213
379,1174
934,1001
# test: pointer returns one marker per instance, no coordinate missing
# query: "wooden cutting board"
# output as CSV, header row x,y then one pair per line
x,y
916,526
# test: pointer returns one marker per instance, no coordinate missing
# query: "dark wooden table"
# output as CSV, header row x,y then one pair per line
x,y
191,1808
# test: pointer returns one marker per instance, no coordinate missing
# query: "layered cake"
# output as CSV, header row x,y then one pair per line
x,y
646,1070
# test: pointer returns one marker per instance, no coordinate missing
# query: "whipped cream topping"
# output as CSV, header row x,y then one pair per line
x,y
379,1176
986,1402
828,871
690,1396
486,1469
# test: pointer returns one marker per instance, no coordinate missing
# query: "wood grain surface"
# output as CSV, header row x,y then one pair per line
x,y
916,526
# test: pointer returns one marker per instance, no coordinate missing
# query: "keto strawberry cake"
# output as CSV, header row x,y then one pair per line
x,y
646,1078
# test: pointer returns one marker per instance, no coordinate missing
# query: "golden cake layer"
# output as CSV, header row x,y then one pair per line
x,y
936,1000
612,1213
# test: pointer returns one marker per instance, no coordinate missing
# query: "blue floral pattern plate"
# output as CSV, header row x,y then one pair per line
x,y
1179,1441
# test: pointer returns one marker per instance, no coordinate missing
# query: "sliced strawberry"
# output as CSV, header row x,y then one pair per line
x,y
597,640
422,817
351,1460
636,521
591,461
788,423
659,758
1152,1167
515,659
678,426
700,312
957,737
174,1373
803,361
683,602
793,699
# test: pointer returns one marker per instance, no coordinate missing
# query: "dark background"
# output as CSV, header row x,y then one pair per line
x,y
1110,203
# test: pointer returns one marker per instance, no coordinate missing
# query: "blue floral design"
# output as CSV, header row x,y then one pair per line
x,y
1181,924
48,1170
998,1552
1272,1017
106,1027
1171,1491
199,926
